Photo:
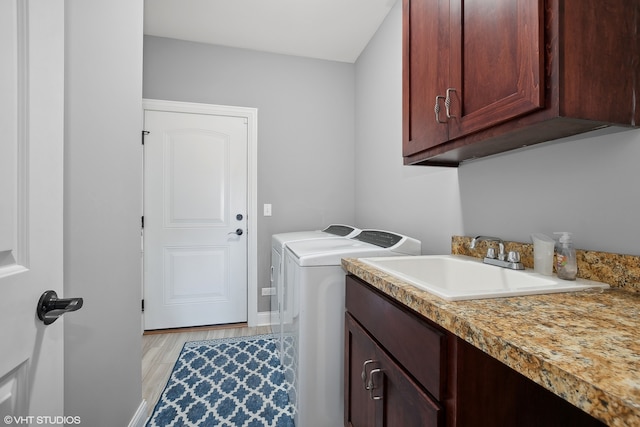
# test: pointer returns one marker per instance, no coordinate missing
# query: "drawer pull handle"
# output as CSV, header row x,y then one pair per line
x,y
364,373
447,102
436,108
371,385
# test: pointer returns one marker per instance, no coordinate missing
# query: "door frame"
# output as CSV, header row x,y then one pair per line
x,y
251,115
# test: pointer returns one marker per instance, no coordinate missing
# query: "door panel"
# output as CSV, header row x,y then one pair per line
x,y
196,274
393,398
195,200
425,74
402,402
195,182
360,356
31,205
497,59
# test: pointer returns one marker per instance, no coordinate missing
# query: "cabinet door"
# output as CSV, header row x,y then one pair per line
x,y
425,73
360,356
401,402
378,392
497,60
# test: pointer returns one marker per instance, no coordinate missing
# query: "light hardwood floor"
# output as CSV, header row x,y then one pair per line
x,y
160,352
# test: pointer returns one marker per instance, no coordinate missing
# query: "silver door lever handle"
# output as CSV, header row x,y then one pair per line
x,y
237,232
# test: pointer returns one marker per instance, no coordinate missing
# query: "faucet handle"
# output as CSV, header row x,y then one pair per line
x,y
514,256
491,253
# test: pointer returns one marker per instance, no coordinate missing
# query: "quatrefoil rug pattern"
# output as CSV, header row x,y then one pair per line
x,y
231,382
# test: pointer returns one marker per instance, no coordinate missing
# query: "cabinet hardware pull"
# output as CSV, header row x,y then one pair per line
x,y
364,373
447,102
436,108
372,386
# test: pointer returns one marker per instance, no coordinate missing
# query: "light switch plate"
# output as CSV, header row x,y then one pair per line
x,y
268,291
267,209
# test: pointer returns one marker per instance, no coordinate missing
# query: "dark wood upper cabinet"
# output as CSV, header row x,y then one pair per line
x,y
483,77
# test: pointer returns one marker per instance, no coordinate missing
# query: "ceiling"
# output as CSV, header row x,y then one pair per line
x,y
336,30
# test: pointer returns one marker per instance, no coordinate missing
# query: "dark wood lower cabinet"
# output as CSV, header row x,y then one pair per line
x,y
381,393
402,370
486,392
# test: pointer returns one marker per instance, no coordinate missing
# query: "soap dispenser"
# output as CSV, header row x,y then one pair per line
x,y
566,265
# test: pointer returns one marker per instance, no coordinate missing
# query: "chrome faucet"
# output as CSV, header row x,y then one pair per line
x,y
501,254
510,260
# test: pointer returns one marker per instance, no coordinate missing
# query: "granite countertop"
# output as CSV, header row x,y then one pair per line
x,y
583,346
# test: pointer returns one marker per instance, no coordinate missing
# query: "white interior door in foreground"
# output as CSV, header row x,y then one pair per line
x,y
31,182
195,209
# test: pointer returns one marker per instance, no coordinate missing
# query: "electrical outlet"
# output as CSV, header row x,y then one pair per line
x,y
268,291
267,209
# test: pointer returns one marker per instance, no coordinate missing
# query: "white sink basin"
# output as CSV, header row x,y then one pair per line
x,y
457,277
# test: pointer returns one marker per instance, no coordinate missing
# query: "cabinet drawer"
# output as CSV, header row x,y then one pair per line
x,y
417,345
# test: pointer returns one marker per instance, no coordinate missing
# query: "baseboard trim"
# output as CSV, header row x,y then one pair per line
x,y
195,328
262,318
140,417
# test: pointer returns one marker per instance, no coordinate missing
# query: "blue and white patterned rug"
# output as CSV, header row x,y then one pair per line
x,y
231,382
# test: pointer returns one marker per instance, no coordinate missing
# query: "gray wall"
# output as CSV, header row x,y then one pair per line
x,y
587,184
102,207
305,127
422,202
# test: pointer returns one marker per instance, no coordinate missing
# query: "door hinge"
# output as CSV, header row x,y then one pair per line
x,y
142,221
143,305
144,132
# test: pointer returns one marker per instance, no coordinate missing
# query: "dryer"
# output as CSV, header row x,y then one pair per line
x,y
314,366
281,300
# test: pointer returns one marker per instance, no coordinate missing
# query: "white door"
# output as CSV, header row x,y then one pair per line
x,y
195,216
31,155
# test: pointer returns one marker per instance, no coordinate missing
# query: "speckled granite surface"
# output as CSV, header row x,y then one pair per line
x,y
583,346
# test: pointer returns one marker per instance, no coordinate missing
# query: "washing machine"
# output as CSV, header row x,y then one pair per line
x,y
281,301
314,274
